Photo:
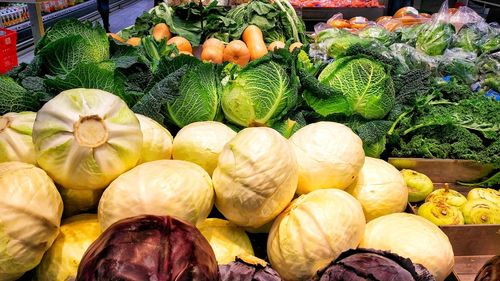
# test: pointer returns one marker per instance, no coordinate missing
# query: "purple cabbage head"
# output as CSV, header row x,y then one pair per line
x,y
149,247
367,264
490,270
248,268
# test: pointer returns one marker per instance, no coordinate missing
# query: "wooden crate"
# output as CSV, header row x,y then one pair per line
x,y
473,245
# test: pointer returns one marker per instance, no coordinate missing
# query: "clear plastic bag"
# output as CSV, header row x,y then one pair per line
x,y
437,34
459,64
464,15
409,58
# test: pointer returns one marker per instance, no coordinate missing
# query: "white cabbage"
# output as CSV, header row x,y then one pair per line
x,y
16,143
380,188
30,215
60,262
227,239
256,177
412,237
85,138
201,143
313,231
329,154
156,140
164,187
77,201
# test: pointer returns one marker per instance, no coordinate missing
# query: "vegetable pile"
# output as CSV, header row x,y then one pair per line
x,y
203,156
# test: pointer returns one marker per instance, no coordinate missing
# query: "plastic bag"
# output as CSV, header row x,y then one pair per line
x,y
408,34
491,42
379,33
489,69
459,64
409,58
437,34
464,15
471,36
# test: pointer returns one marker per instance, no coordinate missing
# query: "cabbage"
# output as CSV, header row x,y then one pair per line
x,y
365,83
490,270
201,143
164,187
156,140
329,154
413,237
259,95
85,138
77,201
227,240
248,268
149,248
380,189
30,215
16,143
359,264
60,262
313,231
256,177
70,42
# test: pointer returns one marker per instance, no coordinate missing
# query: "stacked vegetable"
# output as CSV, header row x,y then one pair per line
x,y
93,141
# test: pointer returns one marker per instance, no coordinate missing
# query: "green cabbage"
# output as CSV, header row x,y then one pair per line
x,y
184,91
260,94
365,84
70,42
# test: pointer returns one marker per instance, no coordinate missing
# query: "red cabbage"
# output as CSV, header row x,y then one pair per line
x,y
367,264
149,247
248,268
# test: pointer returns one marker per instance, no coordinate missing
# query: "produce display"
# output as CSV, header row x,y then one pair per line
x,y
206,143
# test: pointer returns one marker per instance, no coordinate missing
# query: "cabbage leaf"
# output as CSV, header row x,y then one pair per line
x,y
365,83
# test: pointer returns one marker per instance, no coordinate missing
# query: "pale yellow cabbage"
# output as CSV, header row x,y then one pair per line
x,y
164,187
85,138
313,231
201,143
380,188
413,237
227,239
60,262
156,140
77,201
256,177
30,215
329,154
16,143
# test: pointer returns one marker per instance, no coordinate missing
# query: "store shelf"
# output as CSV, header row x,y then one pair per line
x,y
84,11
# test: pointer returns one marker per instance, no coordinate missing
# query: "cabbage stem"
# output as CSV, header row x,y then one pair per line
x,y
90,131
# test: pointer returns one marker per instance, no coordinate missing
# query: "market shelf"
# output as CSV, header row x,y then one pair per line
x,y
83,11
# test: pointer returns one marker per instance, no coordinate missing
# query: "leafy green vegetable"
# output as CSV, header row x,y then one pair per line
x,y
101,76
408,34
379,33
374,136
492,44
70,42
277,20
15,98
184,90
469,37
489,182
434,38
258,95
365,83
460,64
343,41
291,124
